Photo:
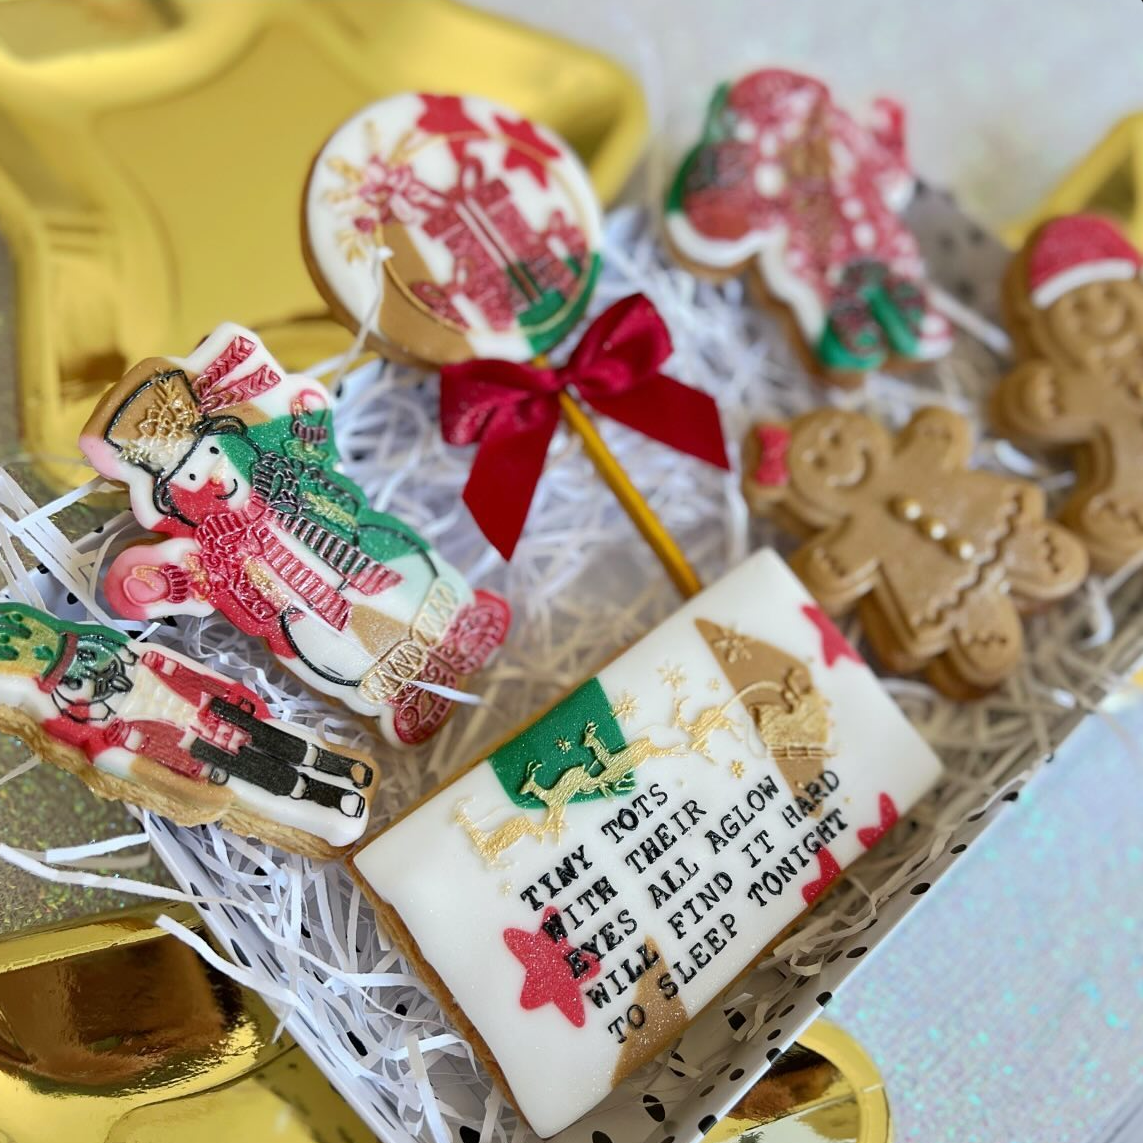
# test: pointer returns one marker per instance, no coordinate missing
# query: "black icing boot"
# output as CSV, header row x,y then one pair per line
x,y
328,796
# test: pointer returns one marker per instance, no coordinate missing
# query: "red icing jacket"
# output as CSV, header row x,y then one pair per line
x,y
165,742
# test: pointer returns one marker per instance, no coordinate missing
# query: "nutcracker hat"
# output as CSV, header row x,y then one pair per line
x,y
1075,251
40,646
157,423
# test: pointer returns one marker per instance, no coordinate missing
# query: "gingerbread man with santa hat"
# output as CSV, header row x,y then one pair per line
x,y
1074,296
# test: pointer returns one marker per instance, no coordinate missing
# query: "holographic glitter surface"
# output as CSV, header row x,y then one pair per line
x,y
1009,1008
46,807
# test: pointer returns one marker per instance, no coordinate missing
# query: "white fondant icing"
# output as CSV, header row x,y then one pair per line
x,y
1108,270
389,129
770,179
457,906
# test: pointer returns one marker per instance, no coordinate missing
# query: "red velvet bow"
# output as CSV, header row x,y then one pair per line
x,y
511,410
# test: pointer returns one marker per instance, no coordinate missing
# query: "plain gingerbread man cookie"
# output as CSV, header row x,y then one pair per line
x,y
939,559
1075,302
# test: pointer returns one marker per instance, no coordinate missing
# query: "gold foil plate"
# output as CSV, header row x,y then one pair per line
x,y
115,1032
1108,180
153,155
825,1089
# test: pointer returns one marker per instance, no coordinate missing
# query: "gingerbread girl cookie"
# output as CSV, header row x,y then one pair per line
x,y
139,722
787,183
1075,302
939,559
235,461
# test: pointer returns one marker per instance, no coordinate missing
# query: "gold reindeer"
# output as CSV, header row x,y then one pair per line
x,y
612,777
707,722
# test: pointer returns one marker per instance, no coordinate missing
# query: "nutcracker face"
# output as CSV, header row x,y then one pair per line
x,y
209,480
94,679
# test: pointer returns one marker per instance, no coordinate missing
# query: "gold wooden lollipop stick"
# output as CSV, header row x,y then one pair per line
x,y
642,515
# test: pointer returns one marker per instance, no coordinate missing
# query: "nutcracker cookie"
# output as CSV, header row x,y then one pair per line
x,y
451,228
617,864
939,559
143,724
787,184
235,462
1074,297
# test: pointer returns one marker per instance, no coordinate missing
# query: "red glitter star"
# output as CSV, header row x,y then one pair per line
x,y
550,977
830,871
529,151
444,115
834,644
869,836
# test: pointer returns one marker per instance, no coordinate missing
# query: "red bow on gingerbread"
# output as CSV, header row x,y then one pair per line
x,y
511,410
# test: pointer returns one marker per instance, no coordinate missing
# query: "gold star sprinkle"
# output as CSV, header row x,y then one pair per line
x,y
563,744
506,888
737,768
714,685
626,708
673,676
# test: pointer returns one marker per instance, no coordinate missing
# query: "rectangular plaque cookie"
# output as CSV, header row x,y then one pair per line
x,y
579,895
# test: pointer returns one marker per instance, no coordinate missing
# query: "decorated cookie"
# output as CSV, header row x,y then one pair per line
x,y
785,182
940,559
617,864
143,724
451,228
1075,302
234,460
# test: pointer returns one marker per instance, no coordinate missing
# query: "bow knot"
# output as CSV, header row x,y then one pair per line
x,y
511,410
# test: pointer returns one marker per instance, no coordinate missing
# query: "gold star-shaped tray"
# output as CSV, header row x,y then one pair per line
x,y
153,154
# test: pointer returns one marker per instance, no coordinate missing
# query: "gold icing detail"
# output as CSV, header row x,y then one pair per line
x,y
165,432
732,646
673,675
626,708
707,722
614,769
737,768
257,574
334,513
563,745
789,713
663,1020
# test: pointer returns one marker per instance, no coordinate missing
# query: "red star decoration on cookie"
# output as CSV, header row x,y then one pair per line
x,y
834,644
444,115
829,871
529,147
550,978
869,836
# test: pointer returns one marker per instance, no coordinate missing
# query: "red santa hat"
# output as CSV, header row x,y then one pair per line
x,y
1074,251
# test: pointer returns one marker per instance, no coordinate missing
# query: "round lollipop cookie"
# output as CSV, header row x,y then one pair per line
x,y
451,228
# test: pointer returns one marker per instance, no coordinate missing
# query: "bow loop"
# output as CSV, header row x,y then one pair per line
x,y
625,345
511,410
476,395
